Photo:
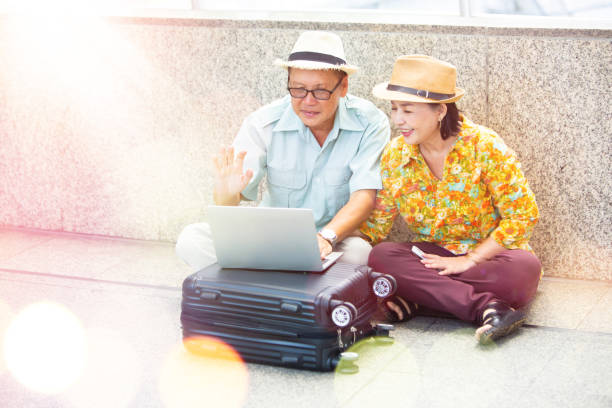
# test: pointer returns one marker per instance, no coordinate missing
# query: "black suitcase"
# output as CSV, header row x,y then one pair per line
x,y
292,319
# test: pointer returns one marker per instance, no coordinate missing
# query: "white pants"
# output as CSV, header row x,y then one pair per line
x,y
194,246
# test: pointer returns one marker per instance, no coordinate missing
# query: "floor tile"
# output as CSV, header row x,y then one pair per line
x,y
434,362
562,360
282,387
129,335
82,256
13,242
565,303
599,319
143,262
579,373
387,390
152,264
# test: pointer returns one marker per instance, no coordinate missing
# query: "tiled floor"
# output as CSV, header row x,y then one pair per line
x,y
126,296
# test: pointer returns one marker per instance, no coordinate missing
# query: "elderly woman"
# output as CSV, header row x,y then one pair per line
x,y
462,192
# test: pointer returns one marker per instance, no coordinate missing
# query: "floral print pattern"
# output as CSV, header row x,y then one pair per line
x,y
482,193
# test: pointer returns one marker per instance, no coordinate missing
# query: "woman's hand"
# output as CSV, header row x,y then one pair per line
x,y
448,265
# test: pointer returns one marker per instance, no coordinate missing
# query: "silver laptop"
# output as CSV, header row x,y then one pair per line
x,y
267,238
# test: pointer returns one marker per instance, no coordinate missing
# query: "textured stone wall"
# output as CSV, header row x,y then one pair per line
x,y
108,126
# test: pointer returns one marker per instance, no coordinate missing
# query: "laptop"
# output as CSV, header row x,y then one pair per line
x,y
267,238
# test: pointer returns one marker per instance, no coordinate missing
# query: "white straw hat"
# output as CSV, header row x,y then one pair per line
x,y
317,50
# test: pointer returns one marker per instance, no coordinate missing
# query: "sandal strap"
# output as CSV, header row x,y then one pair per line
x,y
496,310
384,313
390,315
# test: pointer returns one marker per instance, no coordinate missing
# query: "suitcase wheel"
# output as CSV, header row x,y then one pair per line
x,y
343,314
384,286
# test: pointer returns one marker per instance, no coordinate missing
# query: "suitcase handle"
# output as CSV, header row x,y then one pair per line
x,y
210,295
290,307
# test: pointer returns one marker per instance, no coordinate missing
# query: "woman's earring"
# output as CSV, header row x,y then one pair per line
x,y
439,123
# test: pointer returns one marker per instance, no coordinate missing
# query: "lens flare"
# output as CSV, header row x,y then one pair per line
x,y
210,374
44,347
388,375
6,316
113,362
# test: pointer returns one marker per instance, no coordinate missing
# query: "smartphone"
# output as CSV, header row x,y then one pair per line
x,y
418,252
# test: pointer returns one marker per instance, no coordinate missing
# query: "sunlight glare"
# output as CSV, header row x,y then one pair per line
x,y
210,374
111,361
44,347
6,315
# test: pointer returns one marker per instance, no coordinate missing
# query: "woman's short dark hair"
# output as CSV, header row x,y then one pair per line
x,y
451,124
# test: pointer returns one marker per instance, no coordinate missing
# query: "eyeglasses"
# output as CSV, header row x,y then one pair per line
x,y
319,94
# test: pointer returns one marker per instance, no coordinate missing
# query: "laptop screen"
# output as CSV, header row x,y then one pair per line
x,y
265,238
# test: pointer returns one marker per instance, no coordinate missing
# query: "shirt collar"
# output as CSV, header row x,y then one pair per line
x,y
347,120
411,152
288,120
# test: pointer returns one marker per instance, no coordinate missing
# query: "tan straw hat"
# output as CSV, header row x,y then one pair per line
x,y
419,78
317,50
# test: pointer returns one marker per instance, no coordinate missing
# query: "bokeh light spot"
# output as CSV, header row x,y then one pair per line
x,y
6,316
204,372
44,347
112,362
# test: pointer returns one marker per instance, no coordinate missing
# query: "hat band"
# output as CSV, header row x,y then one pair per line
x,y
419,92
316,56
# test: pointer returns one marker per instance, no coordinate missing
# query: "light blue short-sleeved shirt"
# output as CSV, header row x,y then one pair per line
x,y
302,174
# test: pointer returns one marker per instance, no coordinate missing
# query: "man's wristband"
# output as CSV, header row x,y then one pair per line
x,y
328,235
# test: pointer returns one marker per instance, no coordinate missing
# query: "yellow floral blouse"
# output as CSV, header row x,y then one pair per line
x,y
483,193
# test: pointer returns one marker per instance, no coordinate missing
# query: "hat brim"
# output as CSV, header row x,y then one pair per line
x,y
315,65
380,91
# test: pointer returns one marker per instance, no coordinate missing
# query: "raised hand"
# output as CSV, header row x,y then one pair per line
x,y
230,180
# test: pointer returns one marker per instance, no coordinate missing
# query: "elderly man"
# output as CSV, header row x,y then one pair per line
x,y
319,146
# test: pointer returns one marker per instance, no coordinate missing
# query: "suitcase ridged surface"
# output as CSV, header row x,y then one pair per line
x,y
270,295
305,353
276,317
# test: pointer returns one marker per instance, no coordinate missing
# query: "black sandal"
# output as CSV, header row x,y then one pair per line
x,y
387,314
503,320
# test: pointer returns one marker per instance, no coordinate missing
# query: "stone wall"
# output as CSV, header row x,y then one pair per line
x,y
107,126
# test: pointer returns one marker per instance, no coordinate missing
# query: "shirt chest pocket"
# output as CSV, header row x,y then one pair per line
x,y
337,190
286,187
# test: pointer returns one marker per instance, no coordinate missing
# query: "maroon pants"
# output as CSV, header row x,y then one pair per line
x,y
511,276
